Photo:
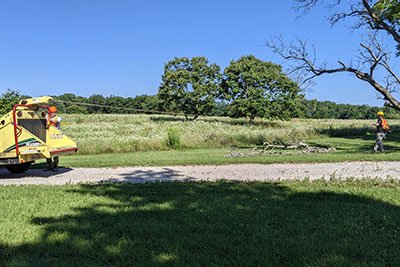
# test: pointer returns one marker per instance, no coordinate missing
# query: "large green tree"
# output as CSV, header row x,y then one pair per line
x,y
377,19
119,102
64,101
189,85
8,100
256,88
75,109
96,102
146,102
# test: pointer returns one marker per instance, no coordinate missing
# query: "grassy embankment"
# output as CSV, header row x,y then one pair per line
x,y
336,223
123,140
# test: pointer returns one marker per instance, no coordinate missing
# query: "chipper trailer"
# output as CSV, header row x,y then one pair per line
x,y
26,135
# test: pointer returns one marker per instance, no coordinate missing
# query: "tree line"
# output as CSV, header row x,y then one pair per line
x,y
313,109
248,87
309,109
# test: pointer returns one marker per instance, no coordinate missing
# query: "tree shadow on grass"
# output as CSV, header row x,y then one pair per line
x,y
213,224
366,133
146,176
357,147
358,142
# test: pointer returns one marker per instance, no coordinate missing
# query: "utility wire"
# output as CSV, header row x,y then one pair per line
x,y
122,108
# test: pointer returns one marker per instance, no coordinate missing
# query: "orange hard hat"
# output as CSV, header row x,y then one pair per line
x,y
53,109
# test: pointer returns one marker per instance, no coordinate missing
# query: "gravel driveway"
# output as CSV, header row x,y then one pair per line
x,y
240,172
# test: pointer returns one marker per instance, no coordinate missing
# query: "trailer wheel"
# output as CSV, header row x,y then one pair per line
x,y
19,168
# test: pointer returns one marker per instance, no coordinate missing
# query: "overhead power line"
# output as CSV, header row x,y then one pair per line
x,y
122,108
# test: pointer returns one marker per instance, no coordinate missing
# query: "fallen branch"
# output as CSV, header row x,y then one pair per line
x,y
288,149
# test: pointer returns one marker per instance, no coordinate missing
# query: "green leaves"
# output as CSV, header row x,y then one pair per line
x,y
257,88
189,85
8,100
388,10
252,87
74,109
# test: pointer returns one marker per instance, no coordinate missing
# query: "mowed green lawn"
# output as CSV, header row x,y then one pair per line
x,y
349,148
353,223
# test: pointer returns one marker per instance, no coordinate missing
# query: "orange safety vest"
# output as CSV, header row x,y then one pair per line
x,y
53,121
384,123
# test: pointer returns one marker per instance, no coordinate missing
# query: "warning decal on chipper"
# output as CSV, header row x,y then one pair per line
x,y
32,142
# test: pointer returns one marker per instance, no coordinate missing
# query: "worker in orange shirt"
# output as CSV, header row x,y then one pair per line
x,y
381,130
54,120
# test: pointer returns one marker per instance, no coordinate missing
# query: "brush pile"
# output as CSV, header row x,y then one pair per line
x,y
290,148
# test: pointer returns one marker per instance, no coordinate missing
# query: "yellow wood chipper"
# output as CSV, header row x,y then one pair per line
x,y
26,135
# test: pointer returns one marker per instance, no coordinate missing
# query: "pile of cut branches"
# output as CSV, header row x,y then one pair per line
x,y
288,149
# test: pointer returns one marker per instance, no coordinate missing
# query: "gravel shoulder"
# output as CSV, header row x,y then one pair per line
x,y
239,172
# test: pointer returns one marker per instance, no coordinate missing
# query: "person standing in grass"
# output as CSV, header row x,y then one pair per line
x,y
55,121
381,128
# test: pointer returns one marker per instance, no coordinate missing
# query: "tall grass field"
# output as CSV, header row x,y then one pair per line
x,y
102,134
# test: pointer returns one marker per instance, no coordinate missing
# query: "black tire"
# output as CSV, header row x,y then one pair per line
x,y
19,168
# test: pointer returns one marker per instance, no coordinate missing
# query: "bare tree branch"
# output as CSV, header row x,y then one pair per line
x,y
302,62
305,6
372,58
379,23
360,10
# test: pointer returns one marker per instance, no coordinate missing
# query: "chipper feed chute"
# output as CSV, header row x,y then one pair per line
x,y
27,135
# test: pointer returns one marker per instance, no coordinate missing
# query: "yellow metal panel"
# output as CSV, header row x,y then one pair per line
x,y
6,119
57,139
30,146
6,137
37,100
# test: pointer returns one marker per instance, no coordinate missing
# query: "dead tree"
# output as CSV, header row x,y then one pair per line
x,y
372,55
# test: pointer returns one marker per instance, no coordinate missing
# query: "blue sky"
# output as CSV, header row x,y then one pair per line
x,y
119,47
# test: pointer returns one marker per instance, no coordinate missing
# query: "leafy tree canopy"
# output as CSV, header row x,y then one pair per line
x,y
74,109
389,10
189,84
257,88
97,99
9,99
